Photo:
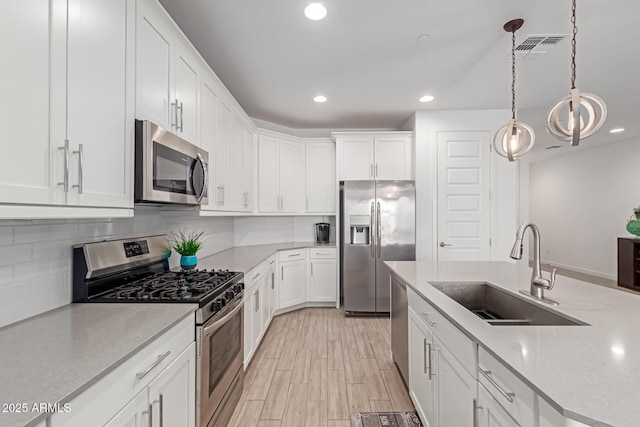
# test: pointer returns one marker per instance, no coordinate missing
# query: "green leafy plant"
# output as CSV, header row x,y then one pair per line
x,y
186,244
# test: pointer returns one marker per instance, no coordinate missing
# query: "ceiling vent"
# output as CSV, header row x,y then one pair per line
x,y
537,45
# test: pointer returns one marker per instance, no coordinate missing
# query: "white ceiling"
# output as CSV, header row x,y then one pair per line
x,y
365,58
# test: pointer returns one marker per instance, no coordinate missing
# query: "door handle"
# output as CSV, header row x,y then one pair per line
x,y
443,244
80,154
371,170
376,170
205,179
379,231
65,179
181,123
174,122
371,235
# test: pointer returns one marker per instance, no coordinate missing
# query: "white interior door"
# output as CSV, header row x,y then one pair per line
x,y
463,196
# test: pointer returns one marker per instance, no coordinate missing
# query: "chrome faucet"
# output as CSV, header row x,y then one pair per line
x,y
538,283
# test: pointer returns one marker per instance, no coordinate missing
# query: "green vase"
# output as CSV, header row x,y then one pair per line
x,y
633,227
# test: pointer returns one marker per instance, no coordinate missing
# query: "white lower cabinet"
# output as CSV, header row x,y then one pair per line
x,y
273,289
155,387
489,413
422,385
322,275
292,283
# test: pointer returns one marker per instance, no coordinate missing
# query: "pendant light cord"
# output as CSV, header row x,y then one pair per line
x,y
513,74
573,45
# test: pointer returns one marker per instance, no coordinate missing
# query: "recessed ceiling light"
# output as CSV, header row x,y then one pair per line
x,y
427,98
320,98
616,130
315,11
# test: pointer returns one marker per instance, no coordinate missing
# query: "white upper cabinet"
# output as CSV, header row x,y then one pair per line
x,y
280,175
236,192
166,77
223,156
208,136
321,177
247,169
66,71
375,156
100,71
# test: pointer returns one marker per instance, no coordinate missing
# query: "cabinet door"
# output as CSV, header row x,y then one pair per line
x,y
356,158
32,114
292,284
456,389
265,301
100,78
490,413
172,393
153,69
393,158
247,170
135,414
290,160
186,98
322,280
268,191
235,193
208,136
321,177
273,288
256,317
422,384
223,155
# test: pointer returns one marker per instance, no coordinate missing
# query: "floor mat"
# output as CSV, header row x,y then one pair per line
x,y
384,419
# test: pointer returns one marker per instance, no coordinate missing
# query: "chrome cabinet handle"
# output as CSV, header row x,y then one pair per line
x,y
161,410
292,255
507,395
431,374
282,274
80,154
205,179
371,235
65,179
424,355
181,129
429,321
443,244
174,122
371,170
312,269
476,408
256,301
376,169
256,276
379,231
322,253
273,280
142,374
151,414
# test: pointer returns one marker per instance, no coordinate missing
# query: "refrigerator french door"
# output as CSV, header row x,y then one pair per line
x,y
378,221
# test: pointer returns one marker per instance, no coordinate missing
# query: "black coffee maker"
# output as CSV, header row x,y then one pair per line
x,y
322,232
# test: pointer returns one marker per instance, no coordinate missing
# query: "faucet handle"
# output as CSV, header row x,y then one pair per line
x,y
553,279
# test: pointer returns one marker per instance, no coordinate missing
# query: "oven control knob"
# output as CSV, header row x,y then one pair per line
x,y
229,295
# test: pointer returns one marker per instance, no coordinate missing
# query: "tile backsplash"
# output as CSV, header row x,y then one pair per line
x,y
35,256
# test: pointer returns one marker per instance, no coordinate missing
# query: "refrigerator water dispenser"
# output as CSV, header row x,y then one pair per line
x,y
360,230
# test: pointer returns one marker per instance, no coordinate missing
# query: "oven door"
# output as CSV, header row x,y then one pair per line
x,y
220,352
168,168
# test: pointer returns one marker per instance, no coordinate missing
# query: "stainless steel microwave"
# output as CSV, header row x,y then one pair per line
x,y
168,169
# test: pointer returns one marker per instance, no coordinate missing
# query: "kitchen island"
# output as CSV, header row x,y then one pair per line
x,y
588,373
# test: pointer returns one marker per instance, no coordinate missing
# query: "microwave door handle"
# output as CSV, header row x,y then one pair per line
x,y
205,179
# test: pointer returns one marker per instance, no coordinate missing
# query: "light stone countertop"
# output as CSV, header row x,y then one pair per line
x,y
245,258
53,357
588,373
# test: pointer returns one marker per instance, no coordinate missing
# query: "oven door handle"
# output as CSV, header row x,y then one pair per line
x,y
208,330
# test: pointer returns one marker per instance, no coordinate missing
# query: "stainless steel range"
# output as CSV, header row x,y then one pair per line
x,y
137,270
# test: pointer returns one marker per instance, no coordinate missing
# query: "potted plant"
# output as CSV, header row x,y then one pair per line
x,y
187,245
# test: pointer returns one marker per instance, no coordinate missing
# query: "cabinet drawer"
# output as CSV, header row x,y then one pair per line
x,y
317,253
462,347
254,275
292,255
512,394
118,387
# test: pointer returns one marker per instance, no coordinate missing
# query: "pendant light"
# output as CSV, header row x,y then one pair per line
x,y
586,112
516,138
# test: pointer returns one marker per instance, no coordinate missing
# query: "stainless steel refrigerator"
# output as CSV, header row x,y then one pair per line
x,y
378,224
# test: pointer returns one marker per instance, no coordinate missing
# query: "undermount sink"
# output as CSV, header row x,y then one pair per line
x,y
500,307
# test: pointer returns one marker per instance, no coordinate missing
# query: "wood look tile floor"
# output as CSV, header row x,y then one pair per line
x,y
315,367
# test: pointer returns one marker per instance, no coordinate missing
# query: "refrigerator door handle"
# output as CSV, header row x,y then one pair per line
x,y
378,231
371,235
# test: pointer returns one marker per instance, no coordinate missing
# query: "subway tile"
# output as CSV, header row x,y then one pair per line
x,y
63,232
32,306
12,294
52,250
30,271
14,254
6,276
6,236
7,315
31,234
95,230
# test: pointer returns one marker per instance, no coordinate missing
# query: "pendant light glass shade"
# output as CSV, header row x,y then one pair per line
x,y
585,112
516,138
